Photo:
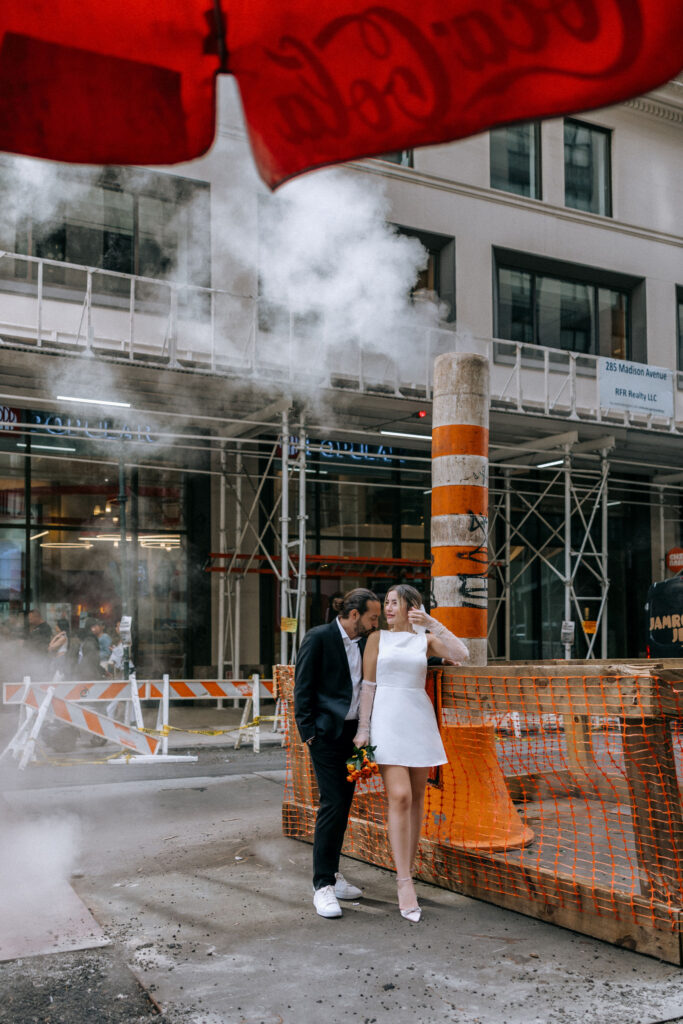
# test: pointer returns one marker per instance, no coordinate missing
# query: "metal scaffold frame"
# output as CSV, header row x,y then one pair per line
x,y
237,563
574,551
581,537
289,563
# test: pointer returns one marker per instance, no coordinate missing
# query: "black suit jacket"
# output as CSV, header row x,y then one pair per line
x,y
322,683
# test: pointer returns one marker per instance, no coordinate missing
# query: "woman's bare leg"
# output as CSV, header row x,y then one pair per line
x,y
399,790
418,782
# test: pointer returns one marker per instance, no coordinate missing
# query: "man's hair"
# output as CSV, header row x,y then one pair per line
x,y
406,593
357,599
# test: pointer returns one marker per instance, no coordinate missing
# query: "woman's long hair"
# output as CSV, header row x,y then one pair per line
x,y
406,593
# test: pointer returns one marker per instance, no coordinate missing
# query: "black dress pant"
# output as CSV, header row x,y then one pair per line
x,y
329,759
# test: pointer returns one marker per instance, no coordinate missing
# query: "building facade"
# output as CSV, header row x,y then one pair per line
x,y
188,379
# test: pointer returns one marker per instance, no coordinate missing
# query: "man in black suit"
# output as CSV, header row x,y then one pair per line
x,y
326,696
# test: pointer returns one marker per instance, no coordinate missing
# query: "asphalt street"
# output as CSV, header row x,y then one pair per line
x,y
208,905
207,914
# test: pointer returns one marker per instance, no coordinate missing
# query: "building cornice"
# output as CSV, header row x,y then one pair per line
x,y
659,108
490,196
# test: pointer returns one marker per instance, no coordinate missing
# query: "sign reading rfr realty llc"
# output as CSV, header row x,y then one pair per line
x,y
636,387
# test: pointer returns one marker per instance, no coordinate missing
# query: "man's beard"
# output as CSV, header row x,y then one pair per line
x,y
364,633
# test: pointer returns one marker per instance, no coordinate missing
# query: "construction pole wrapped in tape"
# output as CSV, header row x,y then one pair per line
x,y
460,439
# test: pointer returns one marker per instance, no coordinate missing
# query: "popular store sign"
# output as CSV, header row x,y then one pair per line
x,y
635,387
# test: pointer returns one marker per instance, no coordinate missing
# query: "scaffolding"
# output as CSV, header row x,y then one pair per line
x,y
256,533
289,563
580,539
549,499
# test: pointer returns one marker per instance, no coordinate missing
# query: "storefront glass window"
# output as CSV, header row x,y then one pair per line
x,y
82,562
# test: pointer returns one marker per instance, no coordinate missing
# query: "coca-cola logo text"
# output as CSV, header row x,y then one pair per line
x,y
403,72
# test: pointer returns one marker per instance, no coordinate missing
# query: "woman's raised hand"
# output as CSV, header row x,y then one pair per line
x,y
419,617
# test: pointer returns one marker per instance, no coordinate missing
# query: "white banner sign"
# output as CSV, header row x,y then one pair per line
x,y
636,387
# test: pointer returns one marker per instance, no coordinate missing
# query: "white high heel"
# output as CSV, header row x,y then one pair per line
x,y
415,913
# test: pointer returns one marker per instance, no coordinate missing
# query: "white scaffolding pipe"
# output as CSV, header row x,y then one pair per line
x,y
508,589
302,516
604,553
220,655
284,539
567,547
236,635
662,544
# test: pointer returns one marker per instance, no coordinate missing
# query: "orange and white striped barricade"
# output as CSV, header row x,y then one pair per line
x,y
26,716
63,700
253,689
41,709
252,712
42,700
31,718
94,690
87,720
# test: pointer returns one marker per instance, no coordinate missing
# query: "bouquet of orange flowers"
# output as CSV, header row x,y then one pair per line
x,y
361,764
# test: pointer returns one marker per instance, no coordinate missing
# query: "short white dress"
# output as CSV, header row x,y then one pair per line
x,y
403,727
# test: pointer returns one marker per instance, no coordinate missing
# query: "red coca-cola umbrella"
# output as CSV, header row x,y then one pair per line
x,y
321,81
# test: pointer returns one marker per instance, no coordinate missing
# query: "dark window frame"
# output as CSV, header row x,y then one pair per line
x,y
570,273
441,249
536,160
34,237
605,133
399,157
679,328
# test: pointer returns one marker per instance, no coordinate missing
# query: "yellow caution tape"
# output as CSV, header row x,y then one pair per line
x,y
167,729
68,764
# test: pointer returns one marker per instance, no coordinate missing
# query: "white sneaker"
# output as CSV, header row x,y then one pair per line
x,y
343,890
325,902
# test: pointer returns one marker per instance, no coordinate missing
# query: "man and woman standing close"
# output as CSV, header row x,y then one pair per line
x,y
356,684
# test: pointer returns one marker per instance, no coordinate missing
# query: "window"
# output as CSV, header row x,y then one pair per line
x,y
516,159
587,170
578,309
679,325
439,274
118,219
402,157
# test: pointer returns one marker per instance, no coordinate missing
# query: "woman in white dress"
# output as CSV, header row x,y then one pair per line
x,y
398,718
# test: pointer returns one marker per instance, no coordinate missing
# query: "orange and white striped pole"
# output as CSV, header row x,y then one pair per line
x,y
460,442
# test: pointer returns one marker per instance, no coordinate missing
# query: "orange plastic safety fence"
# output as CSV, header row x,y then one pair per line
x,y
560,798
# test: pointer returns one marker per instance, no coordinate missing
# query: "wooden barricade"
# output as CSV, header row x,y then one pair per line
x,y
600,798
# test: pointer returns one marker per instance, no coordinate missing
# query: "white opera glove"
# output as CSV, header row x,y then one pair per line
x,y
457,650
367,699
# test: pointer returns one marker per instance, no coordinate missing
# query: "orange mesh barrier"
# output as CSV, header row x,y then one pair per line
x,y
560,799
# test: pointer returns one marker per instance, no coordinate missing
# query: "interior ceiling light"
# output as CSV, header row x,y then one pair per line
x,y
93,401
45,447
546,465
64,544
399,433
37,535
